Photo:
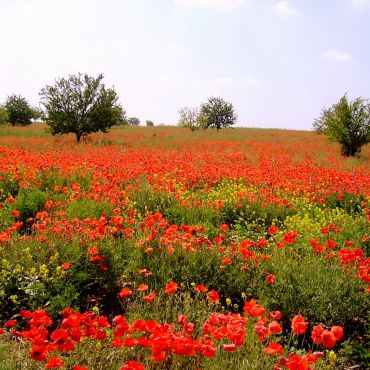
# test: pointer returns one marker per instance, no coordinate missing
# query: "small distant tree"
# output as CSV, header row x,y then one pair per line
x,y
81,104
217,113
133,121
4,116
19,110
189,117
348,123
149,123
36,113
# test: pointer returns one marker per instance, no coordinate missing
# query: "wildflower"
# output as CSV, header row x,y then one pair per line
x,y
133,365
213,296
125,292
142,288
328,339
253,309
54,362
316,334
273,229
65,266
274,349
299,325
171,287
270,278
201,288
150,297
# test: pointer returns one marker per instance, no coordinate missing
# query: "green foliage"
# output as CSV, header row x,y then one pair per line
x,y
28,202
217,113
149,123
348,123
133,121
4,116
81,104
19,110
316,287
189,117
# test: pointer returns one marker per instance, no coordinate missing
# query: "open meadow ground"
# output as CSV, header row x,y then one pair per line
x,y
162,248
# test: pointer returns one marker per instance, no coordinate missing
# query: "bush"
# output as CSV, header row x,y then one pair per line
x,y
347,123
149,123
19,110
81,104
4,116
217,113
133,121
189,117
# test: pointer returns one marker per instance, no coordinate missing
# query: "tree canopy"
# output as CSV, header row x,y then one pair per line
x,y
19,110
348,123
217,113
81,104
189,117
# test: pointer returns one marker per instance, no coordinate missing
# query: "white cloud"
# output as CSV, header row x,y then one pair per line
x,y
361,4
285,9
336,55
220,4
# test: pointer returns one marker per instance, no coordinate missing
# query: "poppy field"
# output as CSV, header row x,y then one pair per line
x,y
162,248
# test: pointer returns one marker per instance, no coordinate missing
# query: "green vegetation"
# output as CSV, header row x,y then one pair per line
x,y
81,104
348,123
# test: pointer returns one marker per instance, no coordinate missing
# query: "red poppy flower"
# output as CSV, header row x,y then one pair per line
x,y
338,332
328,339
150,297
299,325
125,292
133,365
54,362
274,349
201,288
270,278
213,296
171,287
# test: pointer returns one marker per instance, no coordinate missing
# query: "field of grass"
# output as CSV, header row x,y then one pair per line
x,y
162,248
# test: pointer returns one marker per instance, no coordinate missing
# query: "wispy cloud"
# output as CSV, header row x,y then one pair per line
x,y
361,4
285,9
220,4
336,55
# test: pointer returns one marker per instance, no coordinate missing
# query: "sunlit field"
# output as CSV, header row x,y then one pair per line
x,y
163,248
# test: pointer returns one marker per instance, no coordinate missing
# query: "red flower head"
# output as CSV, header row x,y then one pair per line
x,y
171,287
213,296
299,325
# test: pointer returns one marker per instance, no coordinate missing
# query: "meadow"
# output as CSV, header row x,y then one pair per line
x,y
163,248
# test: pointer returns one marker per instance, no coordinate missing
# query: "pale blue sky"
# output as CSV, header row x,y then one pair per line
x,y
278,62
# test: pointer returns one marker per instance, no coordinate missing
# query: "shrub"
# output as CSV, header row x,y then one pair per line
x,y
19,110
348,123
81,104
217,113
4,116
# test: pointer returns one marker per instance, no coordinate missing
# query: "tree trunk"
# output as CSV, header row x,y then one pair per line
x,y
78,137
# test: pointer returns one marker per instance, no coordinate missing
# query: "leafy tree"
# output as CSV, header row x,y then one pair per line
x,y
4,116
133,121
149,123
217,113
81,104
189,117
19,110
348,123
36,113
